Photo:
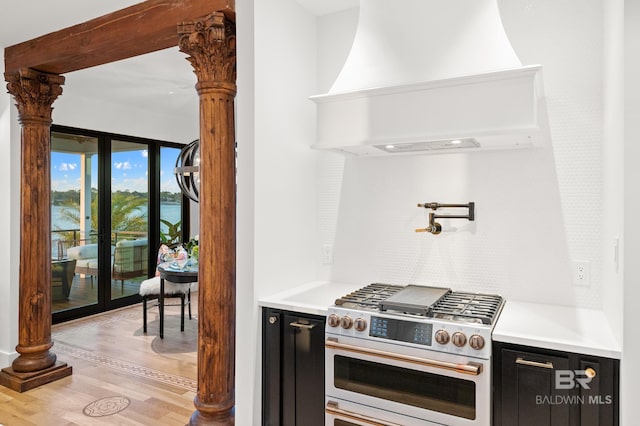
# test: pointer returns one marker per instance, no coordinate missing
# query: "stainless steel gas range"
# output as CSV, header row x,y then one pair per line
x,y
411,355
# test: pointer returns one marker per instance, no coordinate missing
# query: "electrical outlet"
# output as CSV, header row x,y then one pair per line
x,y
581,273
327,254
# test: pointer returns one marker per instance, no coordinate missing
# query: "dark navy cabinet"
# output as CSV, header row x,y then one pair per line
x,y
292,368
539,387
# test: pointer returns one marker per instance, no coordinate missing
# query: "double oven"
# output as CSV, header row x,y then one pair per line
x,y
409,356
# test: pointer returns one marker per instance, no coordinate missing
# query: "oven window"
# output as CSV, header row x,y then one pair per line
x,y
456,397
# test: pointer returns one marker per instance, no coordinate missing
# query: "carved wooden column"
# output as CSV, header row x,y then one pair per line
x,y
210,42
34,93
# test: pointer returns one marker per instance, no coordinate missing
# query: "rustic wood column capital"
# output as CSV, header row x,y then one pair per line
x,y
211,44
35,93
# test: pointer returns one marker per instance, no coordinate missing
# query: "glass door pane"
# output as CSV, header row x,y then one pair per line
x,y
170,198
74,221
108,194
129,217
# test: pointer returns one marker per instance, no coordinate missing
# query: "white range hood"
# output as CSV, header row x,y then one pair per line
x,y
431,76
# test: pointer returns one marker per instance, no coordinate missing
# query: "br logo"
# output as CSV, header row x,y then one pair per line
x,y
569,379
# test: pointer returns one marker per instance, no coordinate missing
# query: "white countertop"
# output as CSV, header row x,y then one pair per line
x,y
311,298
563,328
570,329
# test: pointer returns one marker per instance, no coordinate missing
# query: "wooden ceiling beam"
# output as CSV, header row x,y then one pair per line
x,y
142,28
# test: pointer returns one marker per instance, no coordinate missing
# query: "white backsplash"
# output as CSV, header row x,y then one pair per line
x,y
515,247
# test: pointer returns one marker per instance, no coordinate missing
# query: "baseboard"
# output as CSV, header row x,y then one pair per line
x,y
6,358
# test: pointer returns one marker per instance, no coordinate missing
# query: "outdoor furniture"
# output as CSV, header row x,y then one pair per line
x,y
129,259
62,273
86,257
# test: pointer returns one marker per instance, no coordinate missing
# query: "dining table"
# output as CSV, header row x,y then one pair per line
x,y
179,275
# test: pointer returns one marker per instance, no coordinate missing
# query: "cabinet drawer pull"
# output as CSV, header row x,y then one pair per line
x,y
523,361
301,325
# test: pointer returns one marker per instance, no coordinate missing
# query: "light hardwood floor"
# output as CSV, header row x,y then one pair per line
x,y
120,375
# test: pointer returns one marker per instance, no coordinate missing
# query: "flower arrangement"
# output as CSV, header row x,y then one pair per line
x,y
181,256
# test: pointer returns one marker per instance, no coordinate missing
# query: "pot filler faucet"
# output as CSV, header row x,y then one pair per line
x,y
434,227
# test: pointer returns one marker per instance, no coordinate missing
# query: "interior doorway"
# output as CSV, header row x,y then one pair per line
x,y
112,204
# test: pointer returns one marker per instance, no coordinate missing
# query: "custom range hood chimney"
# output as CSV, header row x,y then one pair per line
x,y
431,76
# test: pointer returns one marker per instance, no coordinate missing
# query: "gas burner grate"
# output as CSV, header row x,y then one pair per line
x,y
481,308
368,297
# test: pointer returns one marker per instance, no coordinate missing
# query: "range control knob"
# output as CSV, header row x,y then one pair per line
x,y
360,324
476,342
442,337
459,339
333,320
346,322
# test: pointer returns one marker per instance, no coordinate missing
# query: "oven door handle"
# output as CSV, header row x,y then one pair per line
x,y
333,409
470,368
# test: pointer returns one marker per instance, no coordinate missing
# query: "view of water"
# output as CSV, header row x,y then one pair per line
x,y
170,212
58,222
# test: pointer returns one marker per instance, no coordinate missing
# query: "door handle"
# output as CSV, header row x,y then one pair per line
x,y
301,325
522,361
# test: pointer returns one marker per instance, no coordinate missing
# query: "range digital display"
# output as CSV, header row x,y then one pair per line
x,y
402,331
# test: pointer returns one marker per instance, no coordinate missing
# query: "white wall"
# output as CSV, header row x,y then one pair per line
x,y
9,217
277,234
77,109
248,381
556,35
335,33
630,374
120,118
613,157
285,210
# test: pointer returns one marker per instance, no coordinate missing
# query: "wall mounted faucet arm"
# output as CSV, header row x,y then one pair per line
x,y
434,227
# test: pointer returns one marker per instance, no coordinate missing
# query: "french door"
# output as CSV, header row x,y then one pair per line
x,y
105,217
